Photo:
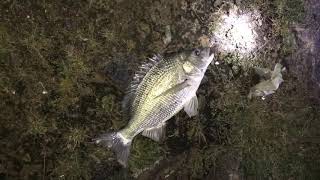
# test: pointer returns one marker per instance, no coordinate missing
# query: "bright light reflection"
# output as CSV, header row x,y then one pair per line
x,y
236,32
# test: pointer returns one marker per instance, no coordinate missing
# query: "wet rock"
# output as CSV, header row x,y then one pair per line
x,y
305,62
120,71
143,30
217,3
316,72
168,35
204,41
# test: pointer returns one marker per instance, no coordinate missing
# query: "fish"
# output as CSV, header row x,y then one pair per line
x,y
161,88
271,81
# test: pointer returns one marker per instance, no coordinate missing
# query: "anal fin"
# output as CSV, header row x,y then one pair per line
x,y
155,133
191,107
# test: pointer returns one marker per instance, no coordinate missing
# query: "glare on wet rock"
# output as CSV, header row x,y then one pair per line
x,y
236,31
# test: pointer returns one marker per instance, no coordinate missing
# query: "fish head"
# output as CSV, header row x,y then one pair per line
x,y
200,58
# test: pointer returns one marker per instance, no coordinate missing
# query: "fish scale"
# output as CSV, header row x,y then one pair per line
x,y
146,110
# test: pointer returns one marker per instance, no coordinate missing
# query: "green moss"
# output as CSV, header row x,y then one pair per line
x,y
109,103
109,35
75,64
196,131
101,4
66,86
111,107
131,45
4,40
290,11
72,166
196,161
37,126
266,139
75,137
285,13
145,153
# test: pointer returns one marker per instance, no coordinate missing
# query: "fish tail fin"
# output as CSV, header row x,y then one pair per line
x,y
117,143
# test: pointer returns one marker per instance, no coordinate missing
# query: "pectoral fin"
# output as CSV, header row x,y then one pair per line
x,y
175,89
155,133
191,107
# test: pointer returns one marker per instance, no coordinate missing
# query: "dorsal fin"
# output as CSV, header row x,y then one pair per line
x,y
137,78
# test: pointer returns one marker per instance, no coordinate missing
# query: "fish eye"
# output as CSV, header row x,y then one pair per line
x,y
197,52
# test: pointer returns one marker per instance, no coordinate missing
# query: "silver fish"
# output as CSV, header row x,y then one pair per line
x,y
159,91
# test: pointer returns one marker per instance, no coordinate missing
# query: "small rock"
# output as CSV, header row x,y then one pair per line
x,y
204,41
168,37
144,28
238,2
184,5
196,26
217,3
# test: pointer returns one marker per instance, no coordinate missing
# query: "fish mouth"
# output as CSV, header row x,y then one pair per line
x,y
207,51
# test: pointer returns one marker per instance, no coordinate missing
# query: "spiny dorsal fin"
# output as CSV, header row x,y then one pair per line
x,y
137,79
